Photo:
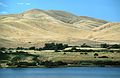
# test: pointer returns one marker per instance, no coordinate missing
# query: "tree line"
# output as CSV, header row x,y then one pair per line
x,y
114,46
61,46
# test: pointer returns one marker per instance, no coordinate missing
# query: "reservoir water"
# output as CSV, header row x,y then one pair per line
x,y
70,72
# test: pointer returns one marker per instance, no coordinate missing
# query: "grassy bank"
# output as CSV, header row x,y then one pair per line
x,y
49,58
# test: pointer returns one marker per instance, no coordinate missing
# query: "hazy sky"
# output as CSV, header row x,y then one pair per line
x,y
104,9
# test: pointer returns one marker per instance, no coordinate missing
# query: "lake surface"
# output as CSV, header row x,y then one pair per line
x,y
74,72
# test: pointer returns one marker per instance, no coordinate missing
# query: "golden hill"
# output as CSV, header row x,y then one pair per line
x,y
35,27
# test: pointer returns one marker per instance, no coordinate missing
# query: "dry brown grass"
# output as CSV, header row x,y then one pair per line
x,y
75,56
38,26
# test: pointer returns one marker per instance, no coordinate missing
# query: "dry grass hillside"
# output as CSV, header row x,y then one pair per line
x,y
36,27
109,33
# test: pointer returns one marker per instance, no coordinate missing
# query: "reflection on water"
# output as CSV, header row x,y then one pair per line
x,y
77,72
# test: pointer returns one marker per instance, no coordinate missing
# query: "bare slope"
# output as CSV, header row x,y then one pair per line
x,y
35,27
109,32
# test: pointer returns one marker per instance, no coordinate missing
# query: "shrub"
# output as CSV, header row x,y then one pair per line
x,y
49,46
32,48
64,53
86,53
53,46
73,48
4,56
3,48
20,48
18,58
57,50
85,45
103,57
104,45
96,54
115,46
51,64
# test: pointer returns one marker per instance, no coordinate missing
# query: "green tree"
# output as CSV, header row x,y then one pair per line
x,y
104,45
49,46
32,48
4,56
17,58
3,48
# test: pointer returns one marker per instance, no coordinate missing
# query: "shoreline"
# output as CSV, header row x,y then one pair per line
x,y
65,66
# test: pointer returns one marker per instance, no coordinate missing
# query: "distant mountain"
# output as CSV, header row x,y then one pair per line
x,y
36,27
